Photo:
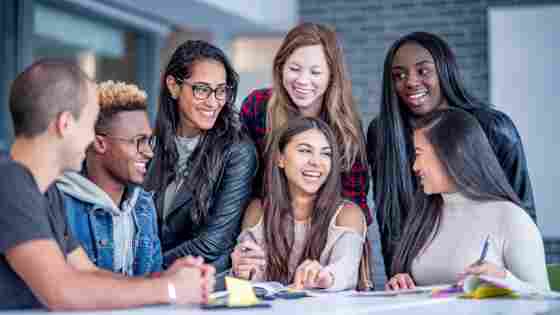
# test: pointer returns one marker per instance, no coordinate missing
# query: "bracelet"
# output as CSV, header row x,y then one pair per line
x,y
172,293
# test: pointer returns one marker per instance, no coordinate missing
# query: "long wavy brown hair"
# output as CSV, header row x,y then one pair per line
x,y
338,108
278,217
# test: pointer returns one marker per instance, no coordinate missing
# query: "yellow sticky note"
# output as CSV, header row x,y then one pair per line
x,y
240,292
487,291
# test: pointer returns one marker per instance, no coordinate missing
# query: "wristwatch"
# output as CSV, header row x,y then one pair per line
x,y
172,293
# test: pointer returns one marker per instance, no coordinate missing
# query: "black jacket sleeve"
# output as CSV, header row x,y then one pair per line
x,y
506,143
215,241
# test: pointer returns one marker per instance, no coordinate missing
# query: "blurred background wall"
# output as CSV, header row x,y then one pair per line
x,y
132,40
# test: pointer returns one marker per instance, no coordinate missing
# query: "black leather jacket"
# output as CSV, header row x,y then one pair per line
x,y
506,143
214,241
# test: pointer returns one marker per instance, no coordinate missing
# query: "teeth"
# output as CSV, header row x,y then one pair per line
x,y
302,91
418,95
208,113
311,174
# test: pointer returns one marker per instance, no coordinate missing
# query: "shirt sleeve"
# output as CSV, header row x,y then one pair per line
x,y
251,112
508,147
344,262
72,242
355,186
524,250
24,213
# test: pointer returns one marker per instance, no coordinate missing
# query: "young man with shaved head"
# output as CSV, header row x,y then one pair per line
x,y
54,107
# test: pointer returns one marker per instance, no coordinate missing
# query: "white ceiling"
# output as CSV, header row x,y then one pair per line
x,y
218,16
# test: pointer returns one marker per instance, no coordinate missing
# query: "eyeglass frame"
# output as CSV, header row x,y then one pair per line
x,y
229,90
136,140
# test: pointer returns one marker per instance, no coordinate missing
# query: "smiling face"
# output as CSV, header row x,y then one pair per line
x,y
416,79
121,158
305,76
306,161
428,167
198,114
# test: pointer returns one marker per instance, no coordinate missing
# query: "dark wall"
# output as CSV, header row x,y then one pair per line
x,y
368,27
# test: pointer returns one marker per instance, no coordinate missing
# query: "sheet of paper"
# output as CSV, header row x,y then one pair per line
x,y
417,290
270,287
240,292
484,286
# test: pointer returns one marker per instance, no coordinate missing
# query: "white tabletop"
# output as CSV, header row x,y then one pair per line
x,y
342,304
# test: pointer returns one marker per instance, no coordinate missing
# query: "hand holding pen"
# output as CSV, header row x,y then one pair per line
x,y
484,252
483,267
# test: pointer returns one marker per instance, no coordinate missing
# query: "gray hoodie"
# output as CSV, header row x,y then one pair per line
x,y
124,229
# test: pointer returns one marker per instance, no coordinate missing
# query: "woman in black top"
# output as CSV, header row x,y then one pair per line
x,y
203,164
421,75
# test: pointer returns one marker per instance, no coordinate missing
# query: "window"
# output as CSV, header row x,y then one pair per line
x,y
252,57
103,51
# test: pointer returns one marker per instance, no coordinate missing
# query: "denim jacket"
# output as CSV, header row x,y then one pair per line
x,y
91,221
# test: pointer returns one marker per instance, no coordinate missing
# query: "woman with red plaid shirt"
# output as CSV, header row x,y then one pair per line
x,y
310,79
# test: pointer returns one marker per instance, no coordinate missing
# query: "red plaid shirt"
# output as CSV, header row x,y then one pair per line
x,y
355,183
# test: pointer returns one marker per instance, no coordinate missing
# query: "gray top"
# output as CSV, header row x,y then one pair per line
x,y
515,242
341,255
185,148
25,215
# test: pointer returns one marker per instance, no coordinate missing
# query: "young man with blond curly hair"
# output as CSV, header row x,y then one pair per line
x,y
107,209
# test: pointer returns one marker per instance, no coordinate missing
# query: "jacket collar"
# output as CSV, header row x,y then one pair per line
x,y
182,197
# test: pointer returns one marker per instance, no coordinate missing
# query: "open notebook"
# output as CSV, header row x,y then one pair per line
x,y
267,288
477,287
272,289
487,286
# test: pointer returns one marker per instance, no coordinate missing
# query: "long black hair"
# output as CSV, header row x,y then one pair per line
x,y
392,154
209,153
467,157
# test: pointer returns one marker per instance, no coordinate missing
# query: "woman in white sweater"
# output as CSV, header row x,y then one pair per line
x,y
466,198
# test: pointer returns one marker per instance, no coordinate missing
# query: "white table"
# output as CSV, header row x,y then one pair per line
x,y
342,304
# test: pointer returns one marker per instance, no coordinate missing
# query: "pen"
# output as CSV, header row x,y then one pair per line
x,y
252,237
480,261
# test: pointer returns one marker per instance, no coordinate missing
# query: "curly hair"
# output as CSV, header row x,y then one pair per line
x,y
116,97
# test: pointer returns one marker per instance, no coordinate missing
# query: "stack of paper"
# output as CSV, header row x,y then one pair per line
x,y
483,286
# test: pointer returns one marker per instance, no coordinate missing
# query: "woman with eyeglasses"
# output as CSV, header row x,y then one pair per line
x,y
203,163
